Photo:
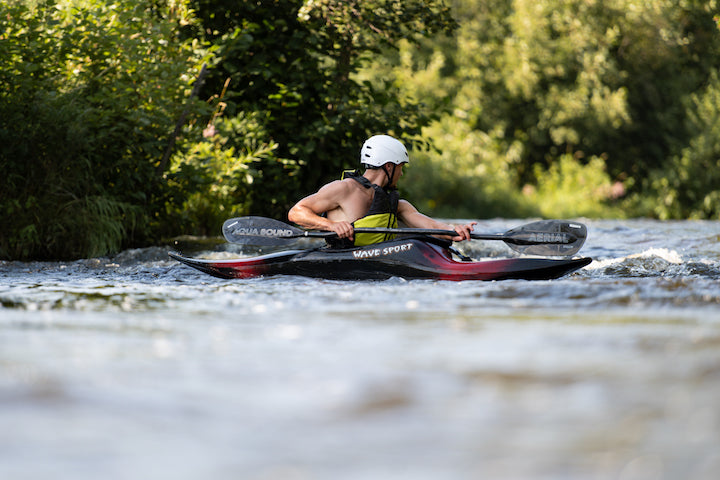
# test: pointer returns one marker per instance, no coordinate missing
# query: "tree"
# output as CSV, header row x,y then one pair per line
x,y
88,95
689,187
296,64
603,83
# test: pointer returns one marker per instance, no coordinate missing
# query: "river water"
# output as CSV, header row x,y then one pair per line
x,y
138,367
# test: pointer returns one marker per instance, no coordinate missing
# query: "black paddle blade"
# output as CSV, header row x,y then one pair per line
x,y
259,231
547,237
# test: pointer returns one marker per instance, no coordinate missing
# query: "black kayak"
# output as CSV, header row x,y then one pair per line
x,y
410,258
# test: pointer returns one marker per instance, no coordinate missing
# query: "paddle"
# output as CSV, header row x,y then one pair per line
x,y
545,237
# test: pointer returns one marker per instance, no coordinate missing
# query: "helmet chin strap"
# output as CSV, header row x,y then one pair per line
x,y
389,175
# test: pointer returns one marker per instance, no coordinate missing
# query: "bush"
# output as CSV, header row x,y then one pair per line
x,y
570,188
466,174
232,172
689,186
89,91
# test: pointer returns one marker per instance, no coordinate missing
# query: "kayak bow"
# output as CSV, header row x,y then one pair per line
x,y
409,258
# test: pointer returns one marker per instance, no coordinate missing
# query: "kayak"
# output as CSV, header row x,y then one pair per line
x,y
406,258
411,258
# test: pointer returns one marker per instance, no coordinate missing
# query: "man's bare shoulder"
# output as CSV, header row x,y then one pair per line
x,y
342,187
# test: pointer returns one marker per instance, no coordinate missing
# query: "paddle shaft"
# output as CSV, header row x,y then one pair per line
x,y
518,239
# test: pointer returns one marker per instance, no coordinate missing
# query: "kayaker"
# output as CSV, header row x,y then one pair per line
x,y
368,200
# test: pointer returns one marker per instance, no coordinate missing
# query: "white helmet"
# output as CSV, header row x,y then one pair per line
x,y
381,149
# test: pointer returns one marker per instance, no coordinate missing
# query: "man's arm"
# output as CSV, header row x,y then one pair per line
x,y
409,215
307,212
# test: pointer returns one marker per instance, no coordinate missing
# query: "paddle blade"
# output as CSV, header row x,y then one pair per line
x,y
547,238
259,231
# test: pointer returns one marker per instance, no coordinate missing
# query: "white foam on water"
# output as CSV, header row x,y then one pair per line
x,y
667,255
670,256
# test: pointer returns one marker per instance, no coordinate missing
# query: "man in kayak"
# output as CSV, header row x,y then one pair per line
x,y
368,200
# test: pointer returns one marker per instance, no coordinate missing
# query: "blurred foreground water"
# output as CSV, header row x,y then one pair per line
x,y
138,367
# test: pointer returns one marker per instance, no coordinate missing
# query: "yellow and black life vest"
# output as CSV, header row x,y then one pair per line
x,y
382,213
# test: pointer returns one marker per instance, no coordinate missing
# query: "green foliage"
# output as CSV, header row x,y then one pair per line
x,y
295,62
464,175
89,91
227,173
690,187
550,84
602,77
569,188
512,107
51,198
